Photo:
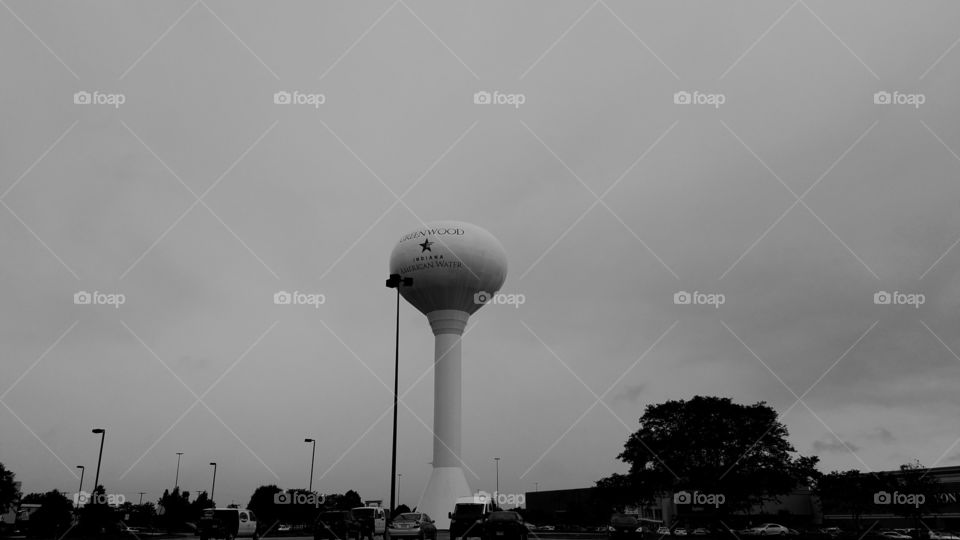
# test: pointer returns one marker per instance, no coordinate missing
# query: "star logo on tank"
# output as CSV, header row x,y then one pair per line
x,y
425,246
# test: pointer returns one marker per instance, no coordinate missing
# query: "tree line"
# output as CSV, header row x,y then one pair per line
x,y
730,459
58,516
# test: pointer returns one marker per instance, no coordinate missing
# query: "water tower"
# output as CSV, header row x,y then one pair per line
x,y
452,263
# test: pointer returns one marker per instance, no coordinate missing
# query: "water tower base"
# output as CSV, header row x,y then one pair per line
x,y
445,486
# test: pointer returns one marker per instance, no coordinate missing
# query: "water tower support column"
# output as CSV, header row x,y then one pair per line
x,y
447,481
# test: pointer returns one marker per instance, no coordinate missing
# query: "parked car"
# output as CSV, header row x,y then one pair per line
x,y
412,524
623,526
504,525
227,523
548,528
335,525
663,531
679,531
371,521
894,535
700,531
768,529
943,535
831,531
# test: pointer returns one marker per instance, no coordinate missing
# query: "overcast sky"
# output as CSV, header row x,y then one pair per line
x,y
788,190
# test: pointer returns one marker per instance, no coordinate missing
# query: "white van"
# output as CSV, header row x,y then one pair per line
x,y
227,523
372,521
467,512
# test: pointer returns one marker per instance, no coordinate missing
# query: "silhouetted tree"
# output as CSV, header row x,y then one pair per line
x,y
175,508
9,492
263,504
53,518
196,508
851,492
96,515
350,499
914,484
400,509
137,515
711,445
296,509
32,498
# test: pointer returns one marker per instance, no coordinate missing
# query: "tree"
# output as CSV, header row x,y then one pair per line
x,y
350,499
136,515
400,509
9,490
710,446
196,508
299,507
96,515
54,516
263,504
917,493
851,492
176,506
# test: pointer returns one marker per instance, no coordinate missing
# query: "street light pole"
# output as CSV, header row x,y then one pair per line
x,y
497,492
82,470
312,457
96,479
214,485
176,482
396,281
141,497
399,476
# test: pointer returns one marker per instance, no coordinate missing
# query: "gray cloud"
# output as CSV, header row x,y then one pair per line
x,y
599,284
830,444
630,393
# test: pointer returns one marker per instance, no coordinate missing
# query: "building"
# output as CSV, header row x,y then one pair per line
x,y
585,507
942,512
799,509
